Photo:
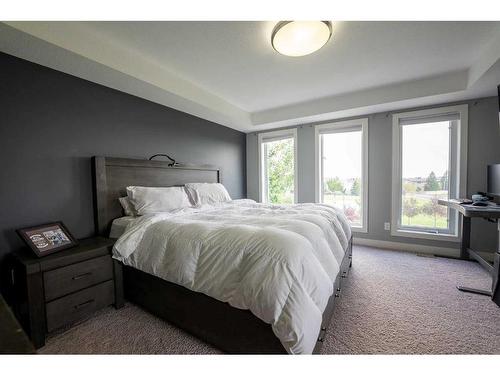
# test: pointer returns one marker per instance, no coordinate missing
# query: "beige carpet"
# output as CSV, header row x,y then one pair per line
x,y
394,302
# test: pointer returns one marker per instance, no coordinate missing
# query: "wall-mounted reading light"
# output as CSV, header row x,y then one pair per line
x,y
173,162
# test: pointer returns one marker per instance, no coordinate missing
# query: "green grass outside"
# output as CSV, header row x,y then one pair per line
x,y
420,220
423,219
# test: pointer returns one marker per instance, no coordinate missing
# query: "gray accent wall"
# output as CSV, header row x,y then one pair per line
x,y
483,149
52,123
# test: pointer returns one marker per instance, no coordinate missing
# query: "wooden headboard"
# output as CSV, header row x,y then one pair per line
x,y
113,175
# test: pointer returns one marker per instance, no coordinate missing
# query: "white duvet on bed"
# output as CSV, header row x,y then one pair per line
x,y
279,262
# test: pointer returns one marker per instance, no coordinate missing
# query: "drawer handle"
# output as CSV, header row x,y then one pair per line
x,y
78,277
83,304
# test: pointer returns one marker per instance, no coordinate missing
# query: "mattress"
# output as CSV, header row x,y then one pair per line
x,y
279,262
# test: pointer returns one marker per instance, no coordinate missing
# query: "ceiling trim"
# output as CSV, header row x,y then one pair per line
x,y
75,53
489,57
443,84
81,52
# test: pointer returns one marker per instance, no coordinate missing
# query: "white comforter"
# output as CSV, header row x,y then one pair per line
x,y
279,262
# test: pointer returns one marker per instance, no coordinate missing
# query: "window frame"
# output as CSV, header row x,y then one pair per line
x,y
458,160
343,127
269,137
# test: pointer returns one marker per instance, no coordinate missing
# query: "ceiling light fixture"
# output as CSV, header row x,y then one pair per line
x,y
300,38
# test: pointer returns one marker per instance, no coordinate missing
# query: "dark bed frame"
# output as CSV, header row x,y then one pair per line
x,y
227,328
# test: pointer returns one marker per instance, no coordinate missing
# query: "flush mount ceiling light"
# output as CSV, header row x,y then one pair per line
x,y
300,38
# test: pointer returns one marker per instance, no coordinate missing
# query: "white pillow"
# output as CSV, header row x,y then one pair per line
x,y
150,200
207,193
127,206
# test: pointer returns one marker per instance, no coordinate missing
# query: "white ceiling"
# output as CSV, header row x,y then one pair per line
x,y
228,72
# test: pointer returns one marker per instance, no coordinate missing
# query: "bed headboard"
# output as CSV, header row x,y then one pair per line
x,y
111,176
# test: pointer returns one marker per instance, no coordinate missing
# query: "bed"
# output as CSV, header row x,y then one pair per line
x,y
228,321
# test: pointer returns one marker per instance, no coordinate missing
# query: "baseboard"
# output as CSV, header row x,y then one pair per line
x,y
412,248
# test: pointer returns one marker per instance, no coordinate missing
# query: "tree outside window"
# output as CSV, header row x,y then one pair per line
x,y
280,171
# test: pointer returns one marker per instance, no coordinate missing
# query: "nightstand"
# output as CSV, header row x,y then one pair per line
x,y
54,291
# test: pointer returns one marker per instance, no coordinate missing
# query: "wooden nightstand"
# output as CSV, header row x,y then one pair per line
x,y
62,288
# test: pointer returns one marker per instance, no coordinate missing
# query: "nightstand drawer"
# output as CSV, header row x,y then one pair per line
x,y
76,306
69,279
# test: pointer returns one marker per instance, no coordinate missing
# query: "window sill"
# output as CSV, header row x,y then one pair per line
x,y
359,229
426,235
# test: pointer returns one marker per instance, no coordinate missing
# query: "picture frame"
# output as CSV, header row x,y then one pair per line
x,y
47,238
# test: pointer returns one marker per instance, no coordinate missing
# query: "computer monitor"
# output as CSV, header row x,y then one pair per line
x,y
493,182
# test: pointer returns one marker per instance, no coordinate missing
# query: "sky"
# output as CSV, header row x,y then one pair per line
x,y
342,155
425,149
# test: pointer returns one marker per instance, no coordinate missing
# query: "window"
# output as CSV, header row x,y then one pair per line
x,y
342,169
429,163
278,166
